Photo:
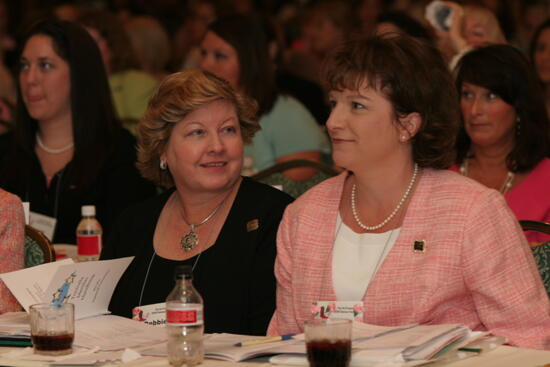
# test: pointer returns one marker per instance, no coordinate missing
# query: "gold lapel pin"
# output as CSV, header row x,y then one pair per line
x,y
252,225
419,246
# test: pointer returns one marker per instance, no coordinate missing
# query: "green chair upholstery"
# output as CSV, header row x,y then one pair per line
x,y
541,251
542,257
38,249
274,176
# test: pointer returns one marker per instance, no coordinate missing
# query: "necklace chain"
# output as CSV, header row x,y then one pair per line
x,y
190,240
385,221
52,150
506,184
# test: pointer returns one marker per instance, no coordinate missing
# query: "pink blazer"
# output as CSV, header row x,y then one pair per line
x,y
477,268
12,242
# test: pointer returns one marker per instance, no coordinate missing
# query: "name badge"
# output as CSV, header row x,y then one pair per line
x,y
154,314
43,223
348,310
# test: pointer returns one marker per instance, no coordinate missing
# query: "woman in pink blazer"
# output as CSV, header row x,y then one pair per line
x,y
12,240
398,239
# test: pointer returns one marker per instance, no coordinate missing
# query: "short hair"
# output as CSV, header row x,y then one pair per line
x,y
150,42
414,77
505,71
111,29
94,122
245,33
177,96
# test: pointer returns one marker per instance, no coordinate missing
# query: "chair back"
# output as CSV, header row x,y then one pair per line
x,y
542,257
274,176
38,249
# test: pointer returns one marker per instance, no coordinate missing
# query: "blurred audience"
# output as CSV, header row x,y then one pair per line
x,y
12,245
401,22
186,43
130,87
540,57
151,45
235,48
67,149
471,26
504,141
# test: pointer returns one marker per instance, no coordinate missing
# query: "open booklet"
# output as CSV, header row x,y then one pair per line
x,y
370,343
89,285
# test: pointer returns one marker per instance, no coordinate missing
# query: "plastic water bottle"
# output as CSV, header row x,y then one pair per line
x,y
184,320
88,235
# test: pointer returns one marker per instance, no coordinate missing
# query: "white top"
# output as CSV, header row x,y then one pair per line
x,y
355,259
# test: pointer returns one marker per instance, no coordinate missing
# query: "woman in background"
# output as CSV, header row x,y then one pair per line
x,y
540,57
398,235
235,48
504,141
67,148
12,243
130,87
223,225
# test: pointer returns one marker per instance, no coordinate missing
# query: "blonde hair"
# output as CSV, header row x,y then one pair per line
x,y
150,43
489,21
177,96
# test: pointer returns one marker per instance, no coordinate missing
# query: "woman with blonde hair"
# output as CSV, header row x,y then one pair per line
x,y
191,140
150,43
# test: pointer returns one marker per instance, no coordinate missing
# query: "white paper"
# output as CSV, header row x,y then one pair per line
x,y
28,285
109,332
43,223
89,285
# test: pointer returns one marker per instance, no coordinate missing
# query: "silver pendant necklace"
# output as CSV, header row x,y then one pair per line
x,y
190,240
392,214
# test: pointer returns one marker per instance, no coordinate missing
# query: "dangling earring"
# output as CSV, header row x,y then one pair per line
x,y
518,125
163,164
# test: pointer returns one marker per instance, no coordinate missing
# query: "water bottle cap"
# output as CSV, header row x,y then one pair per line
x,y
182,271
88,210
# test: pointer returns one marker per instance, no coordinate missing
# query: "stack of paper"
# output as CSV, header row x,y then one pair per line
x,y
371,343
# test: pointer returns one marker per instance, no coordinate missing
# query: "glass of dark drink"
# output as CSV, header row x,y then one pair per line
x,y
52,328
328,342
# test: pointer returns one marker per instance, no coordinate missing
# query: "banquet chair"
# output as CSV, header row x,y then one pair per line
x,y
541,250
274,176
38,248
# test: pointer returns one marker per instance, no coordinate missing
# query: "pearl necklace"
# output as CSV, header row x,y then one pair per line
x,y
385,221
52,150
506,185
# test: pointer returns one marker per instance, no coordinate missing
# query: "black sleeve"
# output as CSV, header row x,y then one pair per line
x,y
263,283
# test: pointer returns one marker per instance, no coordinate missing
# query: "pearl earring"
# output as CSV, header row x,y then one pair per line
x,y
163,164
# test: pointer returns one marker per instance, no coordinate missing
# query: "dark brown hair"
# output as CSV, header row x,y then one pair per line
x,y
414,77
245,33
505,71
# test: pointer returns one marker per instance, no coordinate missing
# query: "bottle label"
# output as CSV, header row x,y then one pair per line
x,y
185,315
88,245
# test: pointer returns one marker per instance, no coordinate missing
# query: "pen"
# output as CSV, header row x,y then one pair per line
x,y
473,350
269,339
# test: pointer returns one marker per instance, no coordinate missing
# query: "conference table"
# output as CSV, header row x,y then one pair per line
x,y
503,356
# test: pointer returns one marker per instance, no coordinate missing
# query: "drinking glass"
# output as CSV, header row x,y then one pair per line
x,y
328,342
52,328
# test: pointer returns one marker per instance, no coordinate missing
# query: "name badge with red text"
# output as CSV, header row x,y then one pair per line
x,y
154,314
348,310
187,315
